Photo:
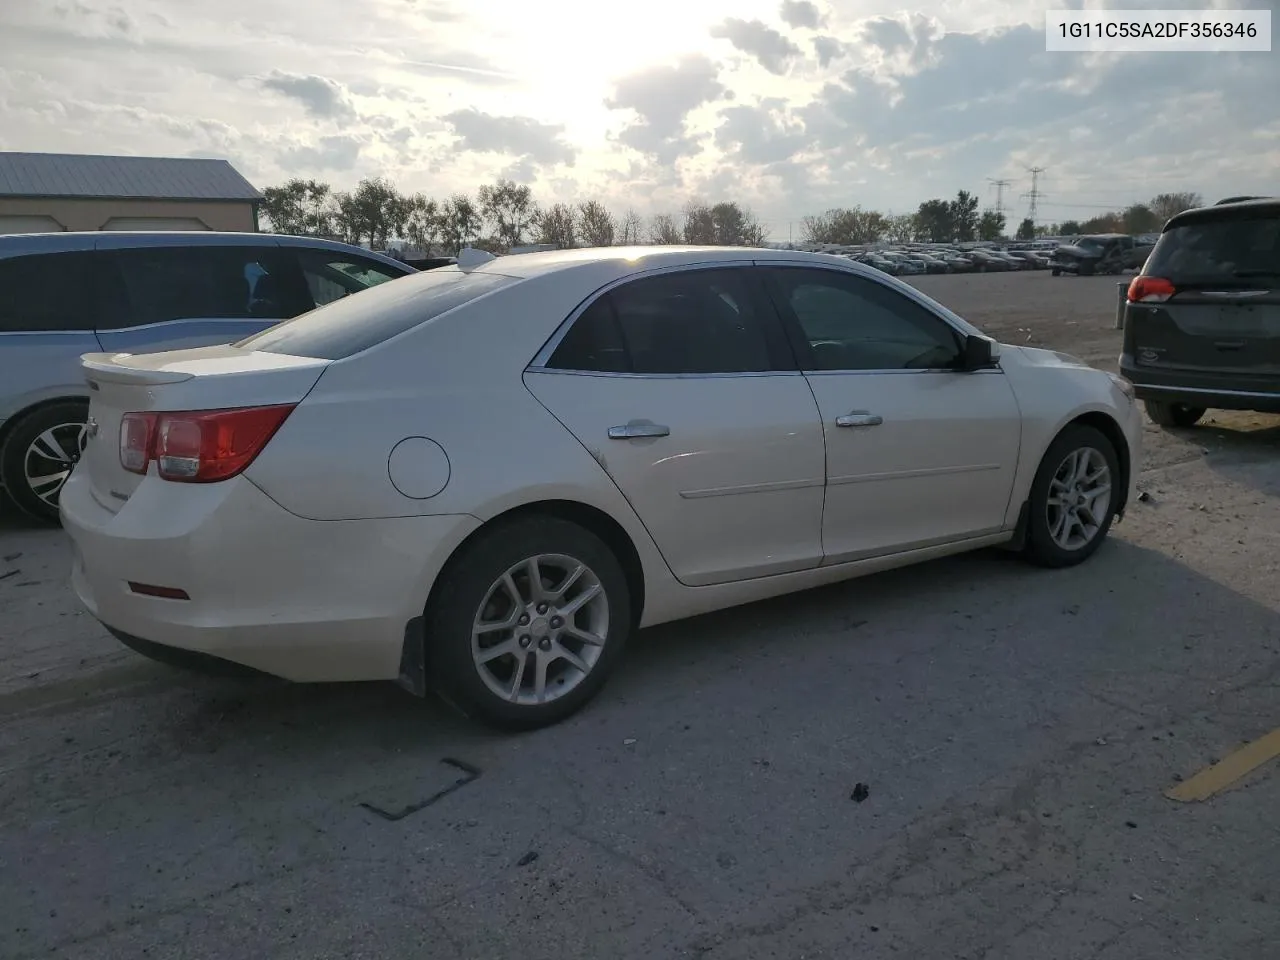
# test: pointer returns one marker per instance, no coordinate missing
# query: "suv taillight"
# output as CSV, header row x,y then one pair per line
x,y
198,446
1150,290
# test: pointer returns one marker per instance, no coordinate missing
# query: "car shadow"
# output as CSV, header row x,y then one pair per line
x,y
1244,447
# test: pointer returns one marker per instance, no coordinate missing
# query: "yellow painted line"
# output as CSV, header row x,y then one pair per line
x,y
1227,771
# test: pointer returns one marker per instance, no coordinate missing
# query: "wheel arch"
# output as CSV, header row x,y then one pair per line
x,y
592,519
1109,428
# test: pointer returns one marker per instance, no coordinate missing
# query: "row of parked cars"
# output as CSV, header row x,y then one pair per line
x,y
942,259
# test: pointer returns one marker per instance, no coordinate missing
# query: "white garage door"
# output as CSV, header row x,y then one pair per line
x,y
14,224
153,223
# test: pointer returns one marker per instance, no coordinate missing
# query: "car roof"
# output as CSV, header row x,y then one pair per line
x,y
639,259
1261,208
16,244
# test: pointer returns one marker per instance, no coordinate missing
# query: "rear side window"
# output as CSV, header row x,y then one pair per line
x,y
46,292
1218,250
332,276
689,322
352,324
159,284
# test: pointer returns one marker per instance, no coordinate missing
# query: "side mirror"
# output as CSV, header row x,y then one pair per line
x,y
979,353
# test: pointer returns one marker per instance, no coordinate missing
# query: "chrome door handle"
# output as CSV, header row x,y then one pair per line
x,y
637,429
859,418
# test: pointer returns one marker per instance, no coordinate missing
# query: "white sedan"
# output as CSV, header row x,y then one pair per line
x,y
480,480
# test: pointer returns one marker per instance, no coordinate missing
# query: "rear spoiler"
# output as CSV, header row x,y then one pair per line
x,y
111,368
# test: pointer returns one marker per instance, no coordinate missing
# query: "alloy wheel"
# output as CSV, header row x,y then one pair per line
x,y
1079,498
540,629
50,458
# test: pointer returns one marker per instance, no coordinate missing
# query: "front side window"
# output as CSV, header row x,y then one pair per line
x,y
852,323
159,284
690,322
333,276
46,292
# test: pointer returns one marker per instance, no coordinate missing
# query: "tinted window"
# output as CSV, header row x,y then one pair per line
x,y
177,283
332,276
850,323
353,324
695,321
1218,250
46,292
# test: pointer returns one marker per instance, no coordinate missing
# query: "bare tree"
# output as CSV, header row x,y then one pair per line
x,y
631,228
663,230
902,229
511,210
556,225
1166,205
595,224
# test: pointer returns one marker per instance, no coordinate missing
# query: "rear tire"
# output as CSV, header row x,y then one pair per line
x,y
1056,272
1167,414
39,453
1073,498
528,659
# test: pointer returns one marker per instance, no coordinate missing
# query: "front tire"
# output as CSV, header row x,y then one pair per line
x,y
1056,272
39,454
1173,414
1073,498
527,623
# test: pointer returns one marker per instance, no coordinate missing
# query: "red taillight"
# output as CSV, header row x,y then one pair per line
x,y
198,446
1150,290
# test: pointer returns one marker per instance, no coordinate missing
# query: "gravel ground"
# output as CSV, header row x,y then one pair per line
x,y
1014,730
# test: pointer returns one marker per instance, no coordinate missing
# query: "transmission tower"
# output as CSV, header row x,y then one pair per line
x,y
1034,195
999,185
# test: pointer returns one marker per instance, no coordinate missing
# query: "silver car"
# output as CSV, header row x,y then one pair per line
x,y
67,294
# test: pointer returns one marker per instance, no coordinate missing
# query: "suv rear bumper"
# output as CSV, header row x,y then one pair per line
x,y
1219,391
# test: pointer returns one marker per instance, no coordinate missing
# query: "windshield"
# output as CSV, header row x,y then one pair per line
x,y
1090,243
1218,250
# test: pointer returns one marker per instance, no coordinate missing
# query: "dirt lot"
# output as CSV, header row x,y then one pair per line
x,y
1016,729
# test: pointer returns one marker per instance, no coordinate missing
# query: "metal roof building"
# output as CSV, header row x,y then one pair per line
x,y
43,192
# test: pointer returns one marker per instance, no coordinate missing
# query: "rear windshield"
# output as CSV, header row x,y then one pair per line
x,y
363,320
1218,250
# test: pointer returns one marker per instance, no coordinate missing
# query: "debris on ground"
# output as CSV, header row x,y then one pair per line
x,y
860,792
527,859
1144,497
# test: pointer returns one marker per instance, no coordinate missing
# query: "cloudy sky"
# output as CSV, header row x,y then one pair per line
x,y
788,105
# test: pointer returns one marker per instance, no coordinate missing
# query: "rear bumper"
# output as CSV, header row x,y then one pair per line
x,y
304,600
1219,391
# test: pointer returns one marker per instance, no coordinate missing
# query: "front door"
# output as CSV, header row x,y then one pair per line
x,y
918,453
681,385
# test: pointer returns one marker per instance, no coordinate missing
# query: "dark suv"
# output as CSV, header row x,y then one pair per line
x,y
1202,321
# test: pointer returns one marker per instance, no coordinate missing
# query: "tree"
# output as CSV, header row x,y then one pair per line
x,y
595,224
991,226
556,225
374,212
902,228
631,228
301,207
510,209
460,222
1140,218
663,230
422,227
936,220
699,224
964,217
1106,223
1068,228
846,226
1166,205
1027,229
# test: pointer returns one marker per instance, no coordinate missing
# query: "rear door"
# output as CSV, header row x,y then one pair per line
x,y
173,297
1224,316
682,387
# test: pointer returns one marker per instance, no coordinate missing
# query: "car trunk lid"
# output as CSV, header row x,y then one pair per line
x,y
203,378
1208,299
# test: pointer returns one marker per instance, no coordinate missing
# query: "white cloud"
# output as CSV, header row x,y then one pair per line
x,y
790,105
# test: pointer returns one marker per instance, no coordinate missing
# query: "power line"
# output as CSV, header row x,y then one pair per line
x,y
999,185
1034,195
